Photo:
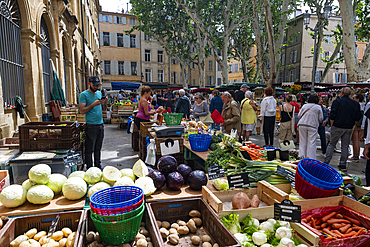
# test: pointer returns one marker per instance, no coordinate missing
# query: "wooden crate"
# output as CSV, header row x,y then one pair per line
x,y
20,225
68,117
171,211
81,118
301,233
126,108
114,120
9,142
220,201
88,225
145,128
69,110
334,202
285,189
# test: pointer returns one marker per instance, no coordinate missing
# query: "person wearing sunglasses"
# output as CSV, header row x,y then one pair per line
x,y
200,107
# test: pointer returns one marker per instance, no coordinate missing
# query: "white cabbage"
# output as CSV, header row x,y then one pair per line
x,y
40,194
56,182
27,184
127,172
74,188
79,174
124,181
39,174
13,196
93,175
97,187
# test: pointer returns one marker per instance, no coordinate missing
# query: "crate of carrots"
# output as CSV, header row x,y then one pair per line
x,y
338,225
254,151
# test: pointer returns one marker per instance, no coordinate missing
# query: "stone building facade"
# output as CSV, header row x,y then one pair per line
x,y
35,32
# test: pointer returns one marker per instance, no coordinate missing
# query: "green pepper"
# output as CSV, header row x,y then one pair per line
x,y
356,180
347,191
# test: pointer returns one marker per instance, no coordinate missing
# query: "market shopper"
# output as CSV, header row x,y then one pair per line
x,y
169,100
91,105
230,113
367,145
322,124
121,95
216,104
268,116
240,95
344,114
357,134
309,117
286,112
183,104
296,119
144,107
248,115
200,107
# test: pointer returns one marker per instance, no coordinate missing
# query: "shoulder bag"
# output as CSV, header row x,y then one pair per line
x,y
207,119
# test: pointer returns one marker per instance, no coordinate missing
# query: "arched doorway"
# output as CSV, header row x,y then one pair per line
x,y
11,61
45,55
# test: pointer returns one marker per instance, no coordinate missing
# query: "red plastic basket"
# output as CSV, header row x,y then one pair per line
x,y
309,191
116,211
217,118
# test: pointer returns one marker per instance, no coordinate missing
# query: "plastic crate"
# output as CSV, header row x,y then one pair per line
x,y
20,225
20,168
173,118
200,142
48,135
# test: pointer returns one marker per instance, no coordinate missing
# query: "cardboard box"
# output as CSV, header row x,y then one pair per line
x,y
220,201
4,179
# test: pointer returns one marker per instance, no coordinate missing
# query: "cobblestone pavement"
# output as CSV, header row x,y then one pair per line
x,y
117,150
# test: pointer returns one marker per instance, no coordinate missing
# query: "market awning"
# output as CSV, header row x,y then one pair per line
x,y
156,85
125,85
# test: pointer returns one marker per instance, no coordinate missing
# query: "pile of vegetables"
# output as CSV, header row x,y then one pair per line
x,y
33,238
336,225
173,232
250,232
126,102
242,201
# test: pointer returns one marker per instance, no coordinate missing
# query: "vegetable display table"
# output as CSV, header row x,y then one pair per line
x,y
198,157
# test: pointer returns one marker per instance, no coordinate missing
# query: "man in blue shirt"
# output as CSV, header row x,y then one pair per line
x,y
322,125
90,105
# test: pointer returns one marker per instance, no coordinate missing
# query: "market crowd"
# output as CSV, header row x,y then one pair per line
x,y
342,119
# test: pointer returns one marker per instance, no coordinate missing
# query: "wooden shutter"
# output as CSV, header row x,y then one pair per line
x,y
124,20
138,68
111,36
114,39
114,19
102,68
137,41
126,40
110,19
116,67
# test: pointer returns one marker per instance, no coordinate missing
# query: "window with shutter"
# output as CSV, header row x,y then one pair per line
x,y
210,65
291,57
121,68
295,56
160,76
148,75
120,39
106,41
147,55
133,41
132,21
133,68
160,56
107,69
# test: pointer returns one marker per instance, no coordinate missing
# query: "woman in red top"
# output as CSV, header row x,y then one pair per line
x,y
296,119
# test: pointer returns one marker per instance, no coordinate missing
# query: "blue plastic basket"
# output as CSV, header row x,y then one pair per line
x,y
200,142
319,174
116,197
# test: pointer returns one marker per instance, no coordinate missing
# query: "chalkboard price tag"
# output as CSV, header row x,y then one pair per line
x,y
287,211
238,181
289,175
215,171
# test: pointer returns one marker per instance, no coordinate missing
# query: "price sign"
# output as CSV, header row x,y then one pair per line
x,y
289,175
73,158
215,171
238,181
287,211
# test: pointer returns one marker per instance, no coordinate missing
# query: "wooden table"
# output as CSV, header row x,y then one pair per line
x,y
198,158
58,204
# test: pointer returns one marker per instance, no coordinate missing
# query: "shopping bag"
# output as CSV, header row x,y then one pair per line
x,y
150,153
170,147
286,145
217,117
234,133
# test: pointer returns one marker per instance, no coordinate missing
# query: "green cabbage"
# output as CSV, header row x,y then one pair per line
x,y
13,196
74,188
40,174
56,182
93,175
40,194
221,184
27,184
96,187
79,174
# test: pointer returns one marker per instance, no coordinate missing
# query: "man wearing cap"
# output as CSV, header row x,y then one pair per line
x,y
240,95
90,105
121,95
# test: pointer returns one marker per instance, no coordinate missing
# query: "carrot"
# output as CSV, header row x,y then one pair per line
x,y
357,228
339,216
304,220
336,225
329,227
338,233
344,229
358,233
313,223
318,221
330,238
354,221
324,225
352,233
329,232
308,218
332,221
349,230
327,217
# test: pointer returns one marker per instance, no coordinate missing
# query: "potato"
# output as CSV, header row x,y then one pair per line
x,y
159,224
241,201
97,237
71,239
66,231
58,235
39,235
44,240
206,238
197,221
165,224
194,213
191,225
49,242
90,237
216,245
148,239
139,236
62,242
183,230
164,232
144,232
31,233
173,238
181,223
141,243
173,231
35,244
206,244
255,202
175,225
32,241
25,244
195,240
